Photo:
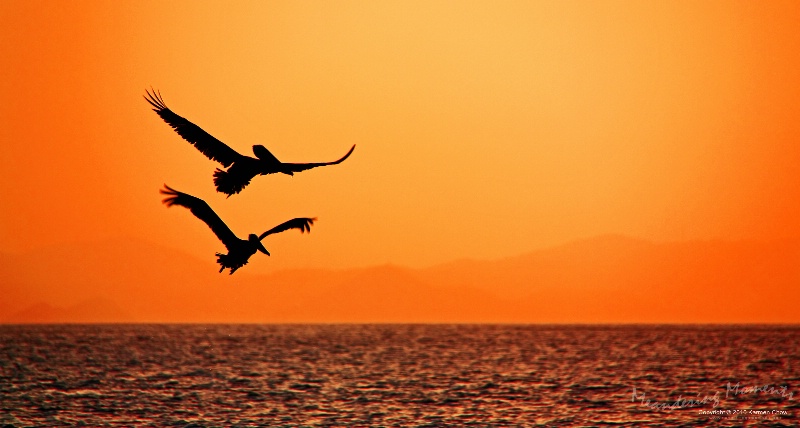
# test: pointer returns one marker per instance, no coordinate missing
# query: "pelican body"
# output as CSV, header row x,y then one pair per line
x,y
239,250
241,168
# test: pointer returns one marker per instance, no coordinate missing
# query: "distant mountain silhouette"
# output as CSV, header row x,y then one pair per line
x,y
608,279
87,311
395,294
632,280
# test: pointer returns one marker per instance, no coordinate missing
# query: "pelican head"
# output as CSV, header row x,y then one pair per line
x,y
253,238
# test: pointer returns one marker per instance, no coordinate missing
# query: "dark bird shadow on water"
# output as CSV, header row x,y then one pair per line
x,y
239,250
241,168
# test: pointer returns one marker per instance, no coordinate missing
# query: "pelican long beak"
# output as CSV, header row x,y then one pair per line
x,y
259,246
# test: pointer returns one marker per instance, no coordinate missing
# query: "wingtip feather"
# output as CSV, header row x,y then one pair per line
x,y
173,195
154,98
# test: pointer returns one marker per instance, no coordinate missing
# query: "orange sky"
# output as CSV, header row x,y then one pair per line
x,y
483,129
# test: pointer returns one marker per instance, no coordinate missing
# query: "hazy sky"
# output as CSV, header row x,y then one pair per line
x,y
483,129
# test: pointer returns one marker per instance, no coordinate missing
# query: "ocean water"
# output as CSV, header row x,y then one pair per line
x,y
398,375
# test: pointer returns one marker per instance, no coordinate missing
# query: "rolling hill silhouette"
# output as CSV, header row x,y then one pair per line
x,y
604,279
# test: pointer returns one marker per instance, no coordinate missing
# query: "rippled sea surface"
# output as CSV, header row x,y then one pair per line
x,y
398,375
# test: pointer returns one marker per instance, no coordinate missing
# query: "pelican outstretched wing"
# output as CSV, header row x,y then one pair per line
x,y
297,167
203,211
214,149
302,223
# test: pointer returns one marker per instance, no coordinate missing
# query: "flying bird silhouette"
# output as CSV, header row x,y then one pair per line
x,y
242,168
239,250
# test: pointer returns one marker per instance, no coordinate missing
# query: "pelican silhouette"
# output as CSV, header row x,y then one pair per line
x,y
242,168
239,250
